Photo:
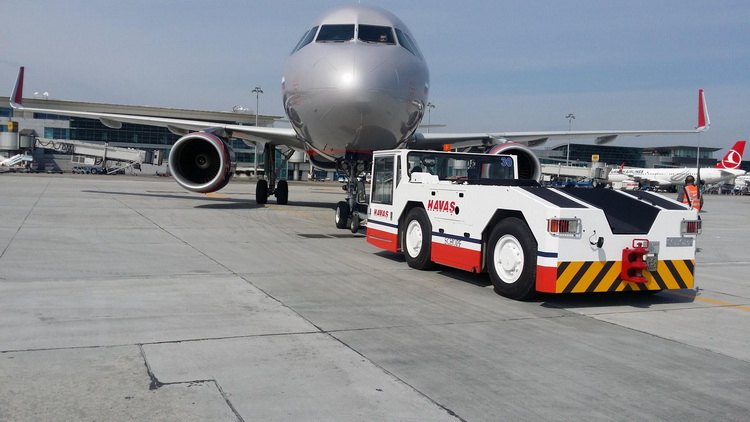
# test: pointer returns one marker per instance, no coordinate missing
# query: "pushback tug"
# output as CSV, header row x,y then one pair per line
x,y
473,212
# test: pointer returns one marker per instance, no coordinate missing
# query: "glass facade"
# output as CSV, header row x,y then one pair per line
x,y
150,137
631,156
93,130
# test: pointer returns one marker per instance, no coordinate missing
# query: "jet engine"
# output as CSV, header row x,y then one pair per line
x,y
202,162
529,166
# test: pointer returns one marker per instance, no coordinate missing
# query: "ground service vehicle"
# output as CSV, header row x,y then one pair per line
x,y
473,212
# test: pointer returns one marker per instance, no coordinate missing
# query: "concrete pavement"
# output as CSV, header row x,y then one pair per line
x,y
126,298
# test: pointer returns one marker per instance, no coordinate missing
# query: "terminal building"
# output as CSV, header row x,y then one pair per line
x,y
652,157
153,138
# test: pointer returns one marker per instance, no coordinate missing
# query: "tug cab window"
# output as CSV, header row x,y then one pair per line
x,y
335,33
382,180
376,34
457,168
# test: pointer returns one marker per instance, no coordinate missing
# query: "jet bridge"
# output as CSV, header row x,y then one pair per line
x,y
99,152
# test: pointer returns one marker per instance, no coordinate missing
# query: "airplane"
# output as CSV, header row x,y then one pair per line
x,y
356,82
727,169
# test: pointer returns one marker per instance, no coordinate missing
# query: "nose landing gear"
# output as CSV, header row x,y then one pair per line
x,y
352,211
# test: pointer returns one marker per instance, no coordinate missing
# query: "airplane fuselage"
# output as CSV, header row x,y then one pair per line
x,y
675,176
355,83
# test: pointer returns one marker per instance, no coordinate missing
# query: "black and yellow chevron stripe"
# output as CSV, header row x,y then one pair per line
x,y
604,276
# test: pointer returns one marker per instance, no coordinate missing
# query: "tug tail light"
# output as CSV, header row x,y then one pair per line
x,y
691,227
564,225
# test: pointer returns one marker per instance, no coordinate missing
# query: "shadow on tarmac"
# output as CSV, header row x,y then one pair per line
x,y
641,300
216,202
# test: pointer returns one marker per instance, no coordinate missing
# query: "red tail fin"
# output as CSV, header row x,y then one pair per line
x,y
703,120
733,159
16,98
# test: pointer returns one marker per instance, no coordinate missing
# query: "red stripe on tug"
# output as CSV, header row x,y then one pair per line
x,y
381,239
546,279
452,256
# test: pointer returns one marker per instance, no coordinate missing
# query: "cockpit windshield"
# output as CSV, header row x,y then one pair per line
x,y
306,39
376,34
335,33
405,40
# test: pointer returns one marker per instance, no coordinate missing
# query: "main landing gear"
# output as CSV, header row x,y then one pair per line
x,y
269,186
351,212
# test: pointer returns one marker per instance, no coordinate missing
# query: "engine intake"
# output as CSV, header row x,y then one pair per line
x,y
529,166
202,162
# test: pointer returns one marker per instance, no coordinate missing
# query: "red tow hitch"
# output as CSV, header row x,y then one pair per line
x,y
633,263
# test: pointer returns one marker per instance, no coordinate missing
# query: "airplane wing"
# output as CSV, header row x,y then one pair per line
x,y
531,139
275,136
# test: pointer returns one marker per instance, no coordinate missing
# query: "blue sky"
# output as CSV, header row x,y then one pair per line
x,y
495,66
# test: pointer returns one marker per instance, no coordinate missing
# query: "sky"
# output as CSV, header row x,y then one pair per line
x,y
514,65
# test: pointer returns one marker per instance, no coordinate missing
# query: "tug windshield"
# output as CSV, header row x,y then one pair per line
x,y
462,167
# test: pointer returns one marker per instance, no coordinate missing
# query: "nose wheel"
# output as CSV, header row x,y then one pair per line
x,y
348,212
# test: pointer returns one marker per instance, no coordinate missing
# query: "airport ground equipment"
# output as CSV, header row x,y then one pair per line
x,y
18,160
100,153
473,212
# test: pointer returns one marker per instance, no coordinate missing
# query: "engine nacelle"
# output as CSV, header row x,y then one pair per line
x,y
202,162
529,166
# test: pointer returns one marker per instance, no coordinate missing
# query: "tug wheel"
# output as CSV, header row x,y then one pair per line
x,y
416,239
511,259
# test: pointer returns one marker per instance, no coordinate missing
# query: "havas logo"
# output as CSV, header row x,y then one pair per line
x,y
380,213
441,206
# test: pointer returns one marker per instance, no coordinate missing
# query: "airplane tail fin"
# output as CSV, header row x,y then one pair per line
x,y
16,98
704,121
733,159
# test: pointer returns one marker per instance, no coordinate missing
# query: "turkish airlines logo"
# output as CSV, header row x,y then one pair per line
x,y
732,160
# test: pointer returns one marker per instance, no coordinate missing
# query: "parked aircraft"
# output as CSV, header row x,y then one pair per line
x,y
356,82
727,169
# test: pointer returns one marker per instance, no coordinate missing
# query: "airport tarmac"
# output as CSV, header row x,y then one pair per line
x,y
127,298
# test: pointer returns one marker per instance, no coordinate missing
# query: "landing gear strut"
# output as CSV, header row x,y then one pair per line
x,y
348,213
269,186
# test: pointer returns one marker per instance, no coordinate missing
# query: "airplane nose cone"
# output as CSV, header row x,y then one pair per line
x,y
346,70
354,100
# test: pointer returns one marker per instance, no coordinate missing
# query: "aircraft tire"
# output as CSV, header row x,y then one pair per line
x,y
511,259
354,223
282,192
342,214
261,191
416,239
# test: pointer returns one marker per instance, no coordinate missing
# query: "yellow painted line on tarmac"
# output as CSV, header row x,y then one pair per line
x,y
216,195
712,301
277,208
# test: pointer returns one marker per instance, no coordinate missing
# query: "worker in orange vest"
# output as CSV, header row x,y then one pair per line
x,y
690,195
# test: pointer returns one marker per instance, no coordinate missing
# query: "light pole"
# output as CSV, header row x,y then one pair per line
x,y
257,91
429,106
570,118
